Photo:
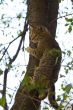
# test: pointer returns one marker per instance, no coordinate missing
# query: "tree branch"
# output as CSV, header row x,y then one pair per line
x,y
13,59
60,17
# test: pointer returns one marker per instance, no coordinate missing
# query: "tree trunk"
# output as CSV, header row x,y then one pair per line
x,y
42,12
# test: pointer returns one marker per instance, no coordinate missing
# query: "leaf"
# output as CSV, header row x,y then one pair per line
x,y
1,72
23,72
2,101
2,17
27,82
45,108
61,106
68,52
58,98
59,1
66,24
65,96
66,70
67,88
70,28
72,23
10,95
1,91
69,19
19,16
9,66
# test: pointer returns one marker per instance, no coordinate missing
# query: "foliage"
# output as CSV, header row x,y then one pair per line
x,y
2,101
1,71
69,24
27,82
11,29
11,32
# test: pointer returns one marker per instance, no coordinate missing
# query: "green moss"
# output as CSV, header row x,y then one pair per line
x,y
54,52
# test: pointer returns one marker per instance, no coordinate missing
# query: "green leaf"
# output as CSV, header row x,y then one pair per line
x,y
1,2
27,82
72,23
9,66
19,16
69,19
61,106
68,52
65,96
67,88
66,24
70,28
2,17
23,72
66,70
1,91
2,101
1,72
58,98
45,108
10,95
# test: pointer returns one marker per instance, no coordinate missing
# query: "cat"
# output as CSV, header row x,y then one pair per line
x,y
49,54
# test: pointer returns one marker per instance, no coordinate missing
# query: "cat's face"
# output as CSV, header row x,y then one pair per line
x,y
38,33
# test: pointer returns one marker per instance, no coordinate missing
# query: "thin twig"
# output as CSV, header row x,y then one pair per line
x,y
13,59
9,45
8,87
60,17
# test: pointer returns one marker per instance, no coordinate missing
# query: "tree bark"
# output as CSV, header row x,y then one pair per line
x,y
42,12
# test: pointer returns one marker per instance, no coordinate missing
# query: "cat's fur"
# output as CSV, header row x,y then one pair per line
x,y
49,54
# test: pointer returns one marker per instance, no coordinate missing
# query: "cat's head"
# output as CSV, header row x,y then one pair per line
x,y
38,32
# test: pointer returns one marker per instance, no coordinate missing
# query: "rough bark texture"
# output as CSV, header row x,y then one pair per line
x,y
42,12
52,16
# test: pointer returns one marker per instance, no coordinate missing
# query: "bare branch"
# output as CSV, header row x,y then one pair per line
x,y
14,58
60,17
